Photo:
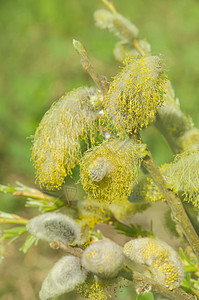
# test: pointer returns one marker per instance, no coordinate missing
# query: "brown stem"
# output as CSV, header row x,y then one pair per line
x,y
75,251
174,202
144,283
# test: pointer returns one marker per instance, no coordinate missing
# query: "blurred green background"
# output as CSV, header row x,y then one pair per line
x,y
38,65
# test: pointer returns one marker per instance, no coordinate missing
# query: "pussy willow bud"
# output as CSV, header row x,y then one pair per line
x,y
182,176
98,170
104,258
164,262
54,227
189,140
117,24
108,171
56,146
64,277
123,49
135,94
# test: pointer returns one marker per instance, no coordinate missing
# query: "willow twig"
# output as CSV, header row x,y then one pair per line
x,y
19,220
174,202
140,281
35,194
75,251
110,6
100,80
143,284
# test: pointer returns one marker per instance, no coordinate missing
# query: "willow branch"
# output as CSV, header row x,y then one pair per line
x,y
100,80
110,6
138,279
175,294
174,202
35,194
144,284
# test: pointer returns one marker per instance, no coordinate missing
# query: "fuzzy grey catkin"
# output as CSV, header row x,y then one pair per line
x,y
54,227
182,176
64,277
104,258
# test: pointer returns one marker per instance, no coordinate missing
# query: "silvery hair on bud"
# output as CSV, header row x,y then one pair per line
x,y
65,275
98,170
104,258
117,24
54,227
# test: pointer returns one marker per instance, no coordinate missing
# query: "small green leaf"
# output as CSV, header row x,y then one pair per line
x,y
6,189
13,233
146,296
28,243
98,234
133,230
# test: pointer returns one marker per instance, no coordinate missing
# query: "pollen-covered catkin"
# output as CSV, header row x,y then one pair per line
x,y
165,264
64,277
182,176
109,171
104,258
135,94
56,145
54,227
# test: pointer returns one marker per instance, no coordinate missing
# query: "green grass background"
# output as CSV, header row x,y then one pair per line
x,y
38,65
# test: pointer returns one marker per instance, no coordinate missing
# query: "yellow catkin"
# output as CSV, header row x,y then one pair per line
x,y
182,176
146,190
163,262
122,160
56,145
95,288
166,272
92,212
134,95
